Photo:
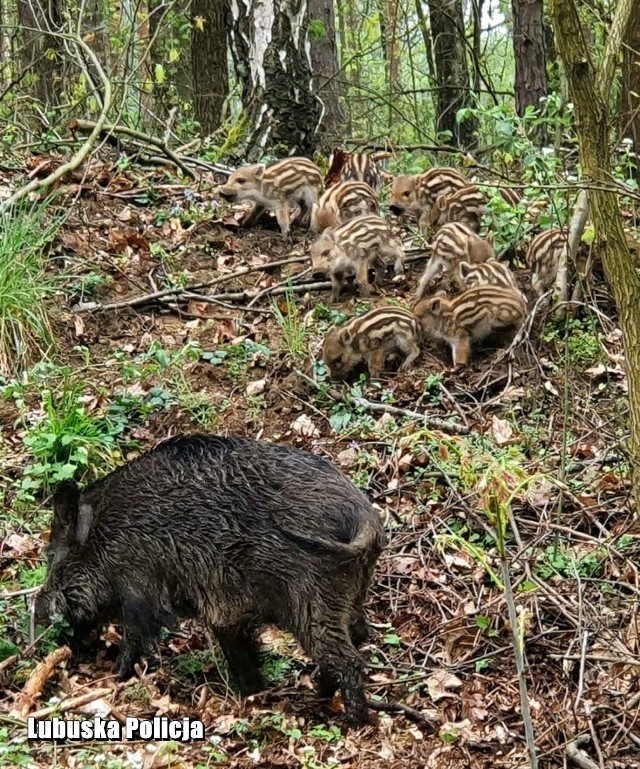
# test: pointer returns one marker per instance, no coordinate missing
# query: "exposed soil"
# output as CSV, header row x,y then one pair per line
x,y
443,638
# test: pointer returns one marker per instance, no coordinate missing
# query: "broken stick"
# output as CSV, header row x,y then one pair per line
x,y
37,680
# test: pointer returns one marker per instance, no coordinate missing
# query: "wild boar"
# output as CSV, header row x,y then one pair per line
x,y
342,202
453,244
359,166
415,195
372,338
547,252
293,181
353,249
239,532
470,317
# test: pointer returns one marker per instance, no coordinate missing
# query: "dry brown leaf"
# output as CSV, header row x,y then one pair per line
x,y
501,430
256,387
303,425
348,458
78,324
440,683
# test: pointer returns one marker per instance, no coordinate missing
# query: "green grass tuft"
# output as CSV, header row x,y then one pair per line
x,y
25,325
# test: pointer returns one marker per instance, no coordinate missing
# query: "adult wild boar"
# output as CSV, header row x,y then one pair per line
x,y
239,532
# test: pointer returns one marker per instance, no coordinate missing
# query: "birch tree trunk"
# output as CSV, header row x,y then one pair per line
x,y
272,56
590,88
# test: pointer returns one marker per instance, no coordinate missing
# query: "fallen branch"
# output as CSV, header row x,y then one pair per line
x,y
78,159
37,680
111,129
578,756
431,422
240,296
384,408
136,301
72,703
397,707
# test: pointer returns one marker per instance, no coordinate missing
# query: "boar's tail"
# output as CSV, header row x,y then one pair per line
x,y
369,538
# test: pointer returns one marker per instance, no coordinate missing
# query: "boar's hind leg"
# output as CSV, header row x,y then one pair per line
x,y
241,648
332,648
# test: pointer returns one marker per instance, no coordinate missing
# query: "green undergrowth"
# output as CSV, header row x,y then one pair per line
x,y
27,286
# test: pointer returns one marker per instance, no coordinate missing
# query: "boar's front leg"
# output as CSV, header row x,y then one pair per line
x,y
241,649
142,620
359,629
359,632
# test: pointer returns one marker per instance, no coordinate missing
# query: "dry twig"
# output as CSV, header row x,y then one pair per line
x,y
34,686
78,159
136,301
72,703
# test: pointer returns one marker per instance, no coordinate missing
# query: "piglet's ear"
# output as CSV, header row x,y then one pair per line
x,y
464,269
259,173
436,305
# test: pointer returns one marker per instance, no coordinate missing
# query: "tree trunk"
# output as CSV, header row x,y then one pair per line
x,y
454,92
630,96
41,51
271,53
529,53
209,62
590,90
476,14
324,60
388,18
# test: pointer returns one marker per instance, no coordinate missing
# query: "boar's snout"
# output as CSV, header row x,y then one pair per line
x,y
396,209
42,607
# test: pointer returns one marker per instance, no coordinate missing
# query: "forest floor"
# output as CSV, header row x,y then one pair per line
x,y
531,455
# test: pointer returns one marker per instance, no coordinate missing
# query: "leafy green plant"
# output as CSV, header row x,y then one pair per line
x,y
275,667
25,323
14,751
295,333
68,439
236,358
195,666
580,339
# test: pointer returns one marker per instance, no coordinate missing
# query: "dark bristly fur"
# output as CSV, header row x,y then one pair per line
x,y
239,532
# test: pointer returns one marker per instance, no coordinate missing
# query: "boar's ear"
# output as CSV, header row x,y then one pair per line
x,y
259,172
65,503
72,520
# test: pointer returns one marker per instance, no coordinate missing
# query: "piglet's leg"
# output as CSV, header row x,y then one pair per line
x,y
282,215
395,251
253,215
412,352
376,362
461,348
362,277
